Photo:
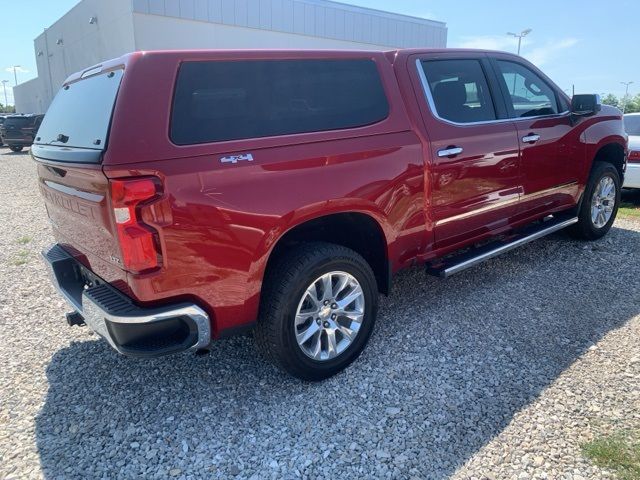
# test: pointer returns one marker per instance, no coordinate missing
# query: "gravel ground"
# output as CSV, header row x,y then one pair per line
x,y
499,372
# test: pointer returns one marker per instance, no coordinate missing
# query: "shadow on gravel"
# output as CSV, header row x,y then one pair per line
x,y
9,153
631,196
450,363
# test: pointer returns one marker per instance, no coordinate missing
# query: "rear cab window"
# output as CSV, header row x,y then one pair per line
x,y
217,101
79,117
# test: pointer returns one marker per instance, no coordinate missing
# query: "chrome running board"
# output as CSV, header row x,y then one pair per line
x,y
455,263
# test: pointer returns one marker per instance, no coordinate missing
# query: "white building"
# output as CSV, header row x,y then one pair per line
x,y
97,30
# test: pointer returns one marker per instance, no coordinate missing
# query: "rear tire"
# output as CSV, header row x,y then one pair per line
x,y
16,148
305,282
599,205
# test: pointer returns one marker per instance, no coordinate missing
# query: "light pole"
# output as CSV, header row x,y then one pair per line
x,y
520,36
626,95
15,74
4,86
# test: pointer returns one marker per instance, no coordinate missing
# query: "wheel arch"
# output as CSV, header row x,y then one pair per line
x,y
611,152
356,230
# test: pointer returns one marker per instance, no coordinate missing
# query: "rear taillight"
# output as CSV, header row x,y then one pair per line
x,y
634,156
138,243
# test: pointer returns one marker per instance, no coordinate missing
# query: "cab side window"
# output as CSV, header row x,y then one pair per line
x,y
528,94
458,90
219,101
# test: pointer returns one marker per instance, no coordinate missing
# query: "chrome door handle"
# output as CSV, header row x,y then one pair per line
x,y
450,152
531,138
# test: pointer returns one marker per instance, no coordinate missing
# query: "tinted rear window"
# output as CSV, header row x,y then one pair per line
x,y
19,122
632,124
80,113
218,101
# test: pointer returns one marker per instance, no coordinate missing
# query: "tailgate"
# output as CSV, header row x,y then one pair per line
x,y
18,129
12,133
77,203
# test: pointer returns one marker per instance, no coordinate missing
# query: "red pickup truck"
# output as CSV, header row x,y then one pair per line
x,y
199,194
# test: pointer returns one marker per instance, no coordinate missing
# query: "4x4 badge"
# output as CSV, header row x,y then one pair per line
x,y
237,158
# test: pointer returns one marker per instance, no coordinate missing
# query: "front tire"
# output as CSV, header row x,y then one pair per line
x,y
600,203
16,148
318,309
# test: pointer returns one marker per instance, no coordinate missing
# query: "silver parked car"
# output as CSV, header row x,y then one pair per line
x,y
632,126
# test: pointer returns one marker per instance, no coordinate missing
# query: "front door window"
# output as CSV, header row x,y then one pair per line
x,y
529,95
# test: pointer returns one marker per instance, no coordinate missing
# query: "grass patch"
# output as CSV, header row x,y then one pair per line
x,y
619,452
629,210
24,240
21,258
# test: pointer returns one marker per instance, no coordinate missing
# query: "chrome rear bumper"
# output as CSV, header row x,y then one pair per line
x,y
130,329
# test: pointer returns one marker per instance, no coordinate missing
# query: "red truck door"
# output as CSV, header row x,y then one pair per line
x,y
474,164
550,154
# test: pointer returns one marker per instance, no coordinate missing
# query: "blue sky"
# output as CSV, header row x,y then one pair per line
x,y
589,43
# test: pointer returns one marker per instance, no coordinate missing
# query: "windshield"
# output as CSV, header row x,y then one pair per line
x,y
80,114
632,124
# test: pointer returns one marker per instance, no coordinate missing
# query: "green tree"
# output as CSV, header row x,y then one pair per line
x,y
632,104
7,108
611,99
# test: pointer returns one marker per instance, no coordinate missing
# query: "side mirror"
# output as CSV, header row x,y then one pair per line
x,y
585,105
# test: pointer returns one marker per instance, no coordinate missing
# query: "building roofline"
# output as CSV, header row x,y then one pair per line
x,y
60,18
376,11
326,3
334,3
346,7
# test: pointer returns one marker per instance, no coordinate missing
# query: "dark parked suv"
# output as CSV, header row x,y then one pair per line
x,y
18,131
2,119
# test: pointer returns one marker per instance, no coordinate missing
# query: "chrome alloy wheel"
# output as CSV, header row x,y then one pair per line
x,y
603,202
329,315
